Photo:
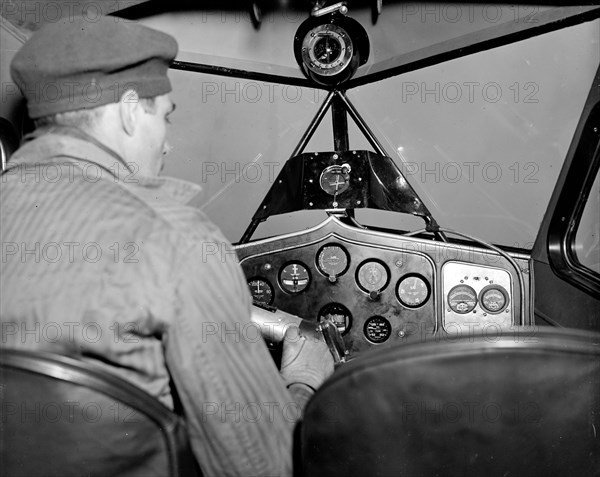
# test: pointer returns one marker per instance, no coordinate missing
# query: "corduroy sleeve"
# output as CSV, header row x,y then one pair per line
x,y
240,415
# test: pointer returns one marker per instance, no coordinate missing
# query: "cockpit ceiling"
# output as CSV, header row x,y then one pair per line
x,y
405,37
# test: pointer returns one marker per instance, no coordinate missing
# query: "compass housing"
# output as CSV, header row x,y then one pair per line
x,y
329,49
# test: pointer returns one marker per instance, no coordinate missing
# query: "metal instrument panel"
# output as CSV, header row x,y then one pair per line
x,y
492,316
378,288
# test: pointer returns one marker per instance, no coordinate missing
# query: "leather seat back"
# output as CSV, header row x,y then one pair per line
x,y
519,404
63,417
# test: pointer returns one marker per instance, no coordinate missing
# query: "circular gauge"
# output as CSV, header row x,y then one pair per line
x,y
335,179
294,277
372,276
493,298
413,291
377,329
332,261
261,290
338,314
462,299
331,47
327,49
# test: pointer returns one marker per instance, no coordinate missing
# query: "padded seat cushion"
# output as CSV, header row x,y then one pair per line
x,y
523,404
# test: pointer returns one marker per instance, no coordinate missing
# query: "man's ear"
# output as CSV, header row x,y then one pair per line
x,y
129,108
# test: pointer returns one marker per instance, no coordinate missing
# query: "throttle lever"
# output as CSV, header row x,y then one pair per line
x,y
334,340
273,323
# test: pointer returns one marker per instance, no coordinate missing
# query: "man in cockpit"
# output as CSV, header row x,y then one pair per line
x,y
103,259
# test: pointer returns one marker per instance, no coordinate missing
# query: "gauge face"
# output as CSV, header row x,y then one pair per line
x,y
261,290
377,329
413,291
372,275
294,277
462,299
335,179
493,298
338,314
332,261
327,49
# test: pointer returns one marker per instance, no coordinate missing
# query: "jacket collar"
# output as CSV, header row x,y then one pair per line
x,y
59,142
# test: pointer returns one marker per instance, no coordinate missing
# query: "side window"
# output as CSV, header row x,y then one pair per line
x,y
586,246
574,231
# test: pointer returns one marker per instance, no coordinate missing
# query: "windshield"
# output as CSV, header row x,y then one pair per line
x,y
480,138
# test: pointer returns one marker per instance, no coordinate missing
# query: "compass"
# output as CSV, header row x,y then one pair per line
x,y
327,50
330,48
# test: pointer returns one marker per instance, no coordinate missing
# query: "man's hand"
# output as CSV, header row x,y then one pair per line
x,y
306,358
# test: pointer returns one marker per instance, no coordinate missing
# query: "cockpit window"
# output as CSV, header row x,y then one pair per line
x,y
587,237
481,138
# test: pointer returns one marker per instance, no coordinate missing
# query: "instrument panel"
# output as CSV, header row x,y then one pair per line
x,y
380,288
476,295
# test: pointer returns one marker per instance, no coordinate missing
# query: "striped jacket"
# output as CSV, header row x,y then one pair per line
x,y
100,263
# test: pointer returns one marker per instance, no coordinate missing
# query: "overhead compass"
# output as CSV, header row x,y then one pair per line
x,y
327,50
330,46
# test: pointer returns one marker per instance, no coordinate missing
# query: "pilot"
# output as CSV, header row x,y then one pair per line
x,y
103,259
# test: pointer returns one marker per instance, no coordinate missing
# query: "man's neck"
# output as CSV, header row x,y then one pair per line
x,y
85,135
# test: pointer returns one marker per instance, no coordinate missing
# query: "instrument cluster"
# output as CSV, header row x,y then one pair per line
x,y
376,287
374,294
476,295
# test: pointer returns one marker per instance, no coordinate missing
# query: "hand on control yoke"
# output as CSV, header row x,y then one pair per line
x,y
306,358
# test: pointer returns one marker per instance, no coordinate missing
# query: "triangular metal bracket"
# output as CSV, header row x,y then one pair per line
x,y
375,182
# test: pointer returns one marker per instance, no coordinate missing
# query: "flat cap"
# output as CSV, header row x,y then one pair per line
x,y
77,64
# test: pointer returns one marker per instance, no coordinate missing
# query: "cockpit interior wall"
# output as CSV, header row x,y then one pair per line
x,y
485,125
